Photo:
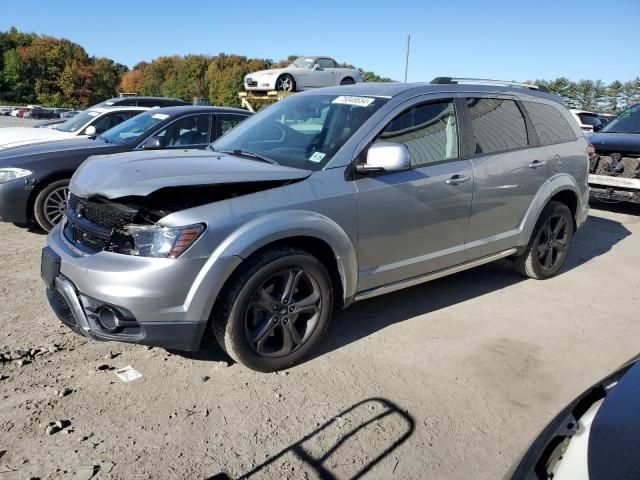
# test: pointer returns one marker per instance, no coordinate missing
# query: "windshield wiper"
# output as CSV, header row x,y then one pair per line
x,y
246,153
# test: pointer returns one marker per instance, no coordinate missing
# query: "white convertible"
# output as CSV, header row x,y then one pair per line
x,y
302,74
90,122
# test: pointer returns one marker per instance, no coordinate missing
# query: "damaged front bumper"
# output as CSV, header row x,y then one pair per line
x,y
114,297
615,177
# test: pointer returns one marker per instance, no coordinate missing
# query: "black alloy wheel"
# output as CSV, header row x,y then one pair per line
x,y
274,310
550,242
284,312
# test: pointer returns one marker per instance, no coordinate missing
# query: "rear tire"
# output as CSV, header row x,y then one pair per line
x,y
50,203
275,310
549,244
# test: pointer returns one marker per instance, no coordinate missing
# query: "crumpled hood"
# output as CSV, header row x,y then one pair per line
x,y
13,136
143,172
273,71
620,142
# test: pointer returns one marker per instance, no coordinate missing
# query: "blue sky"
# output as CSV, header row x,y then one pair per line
x,y
490,39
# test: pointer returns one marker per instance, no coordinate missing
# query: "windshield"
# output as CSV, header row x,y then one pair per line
x,y
134,127
627,122
301,131
303,62
77,121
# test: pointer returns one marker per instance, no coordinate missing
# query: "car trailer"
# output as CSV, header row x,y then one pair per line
x,y
253,101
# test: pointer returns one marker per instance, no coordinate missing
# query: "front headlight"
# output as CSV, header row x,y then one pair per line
x,y
159,242
11,173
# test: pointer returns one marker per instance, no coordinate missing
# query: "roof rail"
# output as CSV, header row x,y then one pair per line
x,y
453,80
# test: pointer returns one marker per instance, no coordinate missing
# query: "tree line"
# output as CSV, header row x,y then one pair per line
x,y
57,72
53,72
595,95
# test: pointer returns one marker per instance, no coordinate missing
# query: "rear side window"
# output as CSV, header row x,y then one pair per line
x,y
589,119
192,130
498,125
549,123
226,122
429,131
326,63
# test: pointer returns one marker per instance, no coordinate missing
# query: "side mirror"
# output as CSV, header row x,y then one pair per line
x,y
386,156
597,128
90,130
153,143
317,67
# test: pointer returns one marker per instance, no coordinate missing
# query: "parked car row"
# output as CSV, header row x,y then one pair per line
x,y
590,121
47,162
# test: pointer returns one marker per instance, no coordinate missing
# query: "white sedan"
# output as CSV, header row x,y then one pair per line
x,y
304,73
90,122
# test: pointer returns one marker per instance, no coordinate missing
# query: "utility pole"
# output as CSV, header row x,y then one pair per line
x,y
406,63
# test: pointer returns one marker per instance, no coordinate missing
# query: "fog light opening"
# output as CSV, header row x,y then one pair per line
x,y
108,318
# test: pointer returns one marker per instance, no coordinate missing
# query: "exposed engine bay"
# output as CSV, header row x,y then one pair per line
x,y
615,176
99,224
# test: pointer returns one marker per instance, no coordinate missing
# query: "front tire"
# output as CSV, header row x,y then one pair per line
x,y
549,245
50,203
275,310
286,83
347,81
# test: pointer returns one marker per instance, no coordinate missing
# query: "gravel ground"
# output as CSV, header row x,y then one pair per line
x,y
450,379
17,122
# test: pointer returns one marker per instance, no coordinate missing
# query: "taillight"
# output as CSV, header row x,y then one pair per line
x,y
591,152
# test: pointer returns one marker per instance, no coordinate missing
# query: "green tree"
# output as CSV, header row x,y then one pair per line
x,y
613,93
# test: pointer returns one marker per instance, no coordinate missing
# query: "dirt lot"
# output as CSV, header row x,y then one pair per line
x,y
7,121
450,379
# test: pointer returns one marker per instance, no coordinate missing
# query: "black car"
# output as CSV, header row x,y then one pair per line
x,y
596,437
42,113
34,178
615,167
136,101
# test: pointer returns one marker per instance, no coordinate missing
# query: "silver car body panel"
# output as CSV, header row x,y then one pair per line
x,y
143,172
386,231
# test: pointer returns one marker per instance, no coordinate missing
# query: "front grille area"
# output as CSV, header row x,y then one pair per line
x,y
251,82
90,225
99,213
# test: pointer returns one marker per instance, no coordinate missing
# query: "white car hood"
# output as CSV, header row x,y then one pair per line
x,y
16,136
273,71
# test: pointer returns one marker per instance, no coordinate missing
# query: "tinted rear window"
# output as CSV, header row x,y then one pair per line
x,y
589,119
498,125
549,123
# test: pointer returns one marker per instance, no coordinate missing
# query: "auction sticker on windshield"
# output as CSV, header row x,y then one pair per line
x,y
354,101
317,157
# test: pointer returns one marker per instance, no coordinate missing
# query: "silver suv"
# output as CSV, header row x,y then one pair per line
x,y
325,198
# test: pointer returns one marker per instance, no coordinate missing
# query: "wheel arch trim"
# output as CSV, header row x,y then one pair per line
x,y
558,183
265,230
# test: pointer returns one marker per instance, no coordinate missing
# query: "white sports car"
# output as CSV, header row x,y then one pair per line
x,y
302,74
90,122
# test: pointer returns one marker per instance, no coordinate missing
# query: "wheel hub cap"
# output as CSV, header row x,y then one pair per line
x,y
283,313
